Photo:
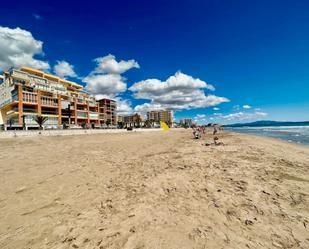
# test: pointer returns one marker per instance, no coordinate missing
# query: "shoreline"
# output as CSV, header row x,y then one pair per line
x,y
274,139
268,136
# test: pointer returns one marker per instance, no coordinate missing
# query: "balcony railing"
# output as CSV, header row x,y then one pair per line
x,y
82,114
92,104
93,115
49,101
82,101
30,97
19,74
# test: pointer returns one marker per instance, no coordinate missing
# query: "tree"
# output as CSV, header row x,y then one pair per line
x,y
137,119
120,124
40,120
148,124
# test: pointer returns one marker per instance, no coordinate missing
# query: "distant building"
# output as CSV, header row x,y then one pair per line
x,y
163,115
120,119
134,120
186,121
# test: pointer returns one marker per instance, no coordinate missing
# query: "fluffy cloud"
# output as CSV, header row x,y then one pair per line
x,y
106,78
146,107
246,106
178,92
216,108
124,107
64,69
108,64
105,84
18,48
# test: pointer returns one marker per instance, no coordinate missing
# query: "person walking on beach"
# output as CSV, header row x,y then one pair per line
x,y
215,130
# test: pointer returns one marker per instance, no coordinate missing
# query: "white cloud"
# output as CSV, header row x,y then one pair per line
x,y
64,69
18,48
216,108
108,64
124,107
105,84
106,78
178,92
200,116
246,106
146,107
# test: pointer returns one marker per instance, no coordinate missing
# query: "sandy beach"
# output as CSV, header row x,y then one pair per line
x,y
153,190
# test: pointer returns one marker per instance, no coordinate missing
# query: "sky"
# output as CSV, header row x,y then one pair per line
x,y
210,60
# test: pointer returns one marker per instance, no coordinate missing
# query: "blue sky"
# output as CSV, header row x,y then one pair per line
x,y
254,53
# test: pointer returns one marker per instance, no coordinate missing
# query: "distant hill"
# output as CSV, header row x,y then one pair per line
x,y
268,123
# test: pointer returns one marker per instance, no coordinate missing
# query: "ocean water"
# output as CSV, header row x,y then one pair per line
x,y
296,134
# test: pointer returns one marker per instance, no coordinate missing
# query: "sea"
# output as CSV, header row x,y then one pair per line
x,y
293,134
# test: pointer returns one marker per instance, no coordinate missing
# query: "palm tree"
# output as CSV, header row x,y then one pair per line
x,y
40,120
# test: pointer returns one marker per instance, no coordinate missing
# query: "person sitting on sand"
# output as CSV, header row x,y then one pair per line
x,y
196,134
215,142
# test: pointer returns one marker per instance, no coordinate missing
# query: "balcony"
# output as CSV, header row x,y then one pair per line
x,y
81,101
92,104
19,74
81,114
29,97
65,104
49,101
93,115
42,87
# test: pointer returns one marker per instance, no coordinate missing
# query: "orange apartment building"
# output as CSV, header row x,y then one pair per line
x,y
27,92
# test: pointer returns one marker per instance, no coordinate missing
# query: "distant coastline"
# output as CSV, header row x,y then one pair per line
x,y
265,123
297,132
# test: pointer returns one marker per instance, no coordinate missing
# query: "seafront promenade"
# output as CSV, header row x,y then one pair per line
x,y
68,132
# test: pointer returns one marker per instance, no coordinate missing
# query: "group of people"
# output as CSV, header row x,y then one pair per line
x,y
199,130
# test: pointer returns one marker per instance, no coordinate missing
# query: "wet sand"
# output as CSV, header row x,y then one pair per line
x,y
153,190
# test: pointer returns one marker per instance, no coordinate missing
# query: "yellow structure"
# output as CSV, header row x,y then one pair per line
x,y
28,92
164,126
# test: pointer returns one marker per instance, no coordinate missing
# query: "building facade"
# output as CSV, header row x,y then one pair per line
x,y
134,120
107,109
27,92
163,115
186,121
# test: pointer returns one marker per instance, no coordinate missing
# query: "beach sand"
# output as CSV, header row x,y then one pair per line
x,y
153,190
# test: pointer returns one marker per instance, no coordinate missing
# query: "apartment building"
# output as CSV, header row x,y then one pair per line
x,y
134,120
27,92
163,115
186,121
107,108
